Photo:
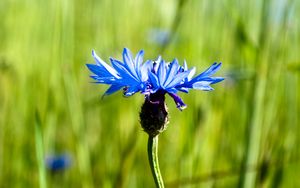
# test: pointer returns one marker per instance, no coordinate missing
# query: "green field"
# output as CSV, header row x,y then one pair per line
x,y
245,133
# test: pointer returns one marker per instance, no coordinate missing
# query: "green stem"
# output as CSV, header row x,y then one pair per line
x,y
153,160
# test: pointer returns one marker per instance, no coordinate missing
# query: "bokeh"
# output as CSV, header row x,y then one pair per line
x,y
245,133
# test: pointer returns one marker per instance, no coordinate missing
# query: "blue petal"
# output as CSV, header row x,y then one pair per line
x,y
124,73
105,80
202,85
138,61
146,67
131,90
211,70
156,64
178,78
161,72
106,67
154,81
191,74
98,70
112,89
178,101
213,80
171,90
183,89
128,61
217,79
173,68
185,67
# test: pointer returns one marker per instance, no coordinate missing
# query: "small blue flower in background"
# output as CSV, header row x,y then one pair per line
x,y
57,163
158,36
150,77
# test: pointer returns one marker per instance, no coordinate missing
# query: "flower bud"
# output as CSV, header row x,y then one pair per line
x,y
154,114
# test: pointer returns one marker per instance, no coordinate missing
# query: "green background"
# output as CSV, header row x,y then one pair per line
x,y
245,133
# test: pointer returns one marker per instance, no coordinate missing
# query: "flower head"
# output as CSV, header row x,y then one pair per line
x,y
150,77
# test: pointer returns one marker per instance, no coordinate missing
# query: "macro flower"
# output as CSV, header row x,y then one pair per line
x,y
154,79
151,77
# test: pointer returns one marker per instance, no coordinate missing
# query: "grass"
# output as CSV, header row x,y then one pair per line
x,y
243,134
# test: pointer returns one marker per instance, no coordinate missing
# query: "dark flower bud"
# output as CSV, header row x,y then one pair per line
x,y
154,114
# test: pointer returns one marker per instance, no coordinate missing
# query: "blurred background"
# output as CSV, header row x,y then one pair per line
x,y
56,131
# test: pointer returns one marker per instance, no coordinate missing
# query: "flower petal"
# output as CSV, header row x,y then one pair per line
x,y
154,81
104,80
191,74
131,90
202,85
211,70
173,68
156,64
106,67
178,101
128,61
145,68
113,88
99,70
139,60
178,78
123,71
162,72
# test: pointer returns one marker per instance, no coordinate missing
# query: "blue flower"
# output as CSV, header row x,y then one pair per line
x,y
58,162
158,36
152,76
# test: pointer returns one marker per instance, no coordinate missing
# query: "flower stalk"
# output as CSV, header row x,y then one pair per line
x,y
153,160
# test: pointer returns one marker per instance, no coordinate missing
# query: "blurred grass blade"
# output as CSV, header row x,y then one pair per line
x,y
40,151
